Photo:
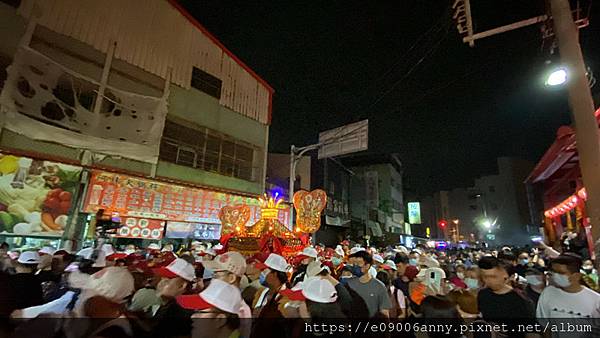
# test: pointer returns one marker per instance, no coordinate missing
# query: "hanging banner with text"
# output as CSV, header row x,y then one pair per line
x,y
147,199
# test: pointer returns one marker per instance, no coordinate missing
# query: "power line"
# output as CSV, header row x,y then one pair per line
x,y
410,71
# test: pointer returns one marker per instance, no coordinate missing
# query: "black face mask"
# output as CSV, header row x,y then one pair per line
x,y
588,271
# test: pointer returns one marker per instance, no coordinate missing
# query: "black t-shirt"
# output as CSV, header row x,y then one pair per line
x,y
171,320
506,306
533,296
26,290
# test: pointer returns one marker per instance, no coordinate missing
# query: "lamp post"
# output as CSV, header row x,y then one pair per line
x,y
557,77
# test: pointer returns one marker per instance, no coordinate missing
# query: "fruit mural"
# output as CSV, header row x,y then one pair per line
x,y
35,196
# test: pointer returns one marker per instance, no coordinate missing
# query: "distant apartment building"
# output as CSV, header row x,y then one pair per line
x,y
493,209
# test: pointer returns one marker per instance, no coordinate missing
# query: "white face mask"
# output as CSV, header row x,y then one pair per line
x,y
561,280
534,280
460,275
472,283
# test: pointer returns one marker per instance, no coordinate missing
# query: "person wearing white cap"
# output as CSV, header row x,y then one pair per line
x,y
24,286
87,253
230,267
266,300
377,263
307,256
320,301
413,257
153,246
170,319
337,261
220,302
372,291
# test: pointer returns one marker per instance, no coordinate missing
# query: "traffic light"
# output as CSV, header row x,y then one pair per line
x,y
442,223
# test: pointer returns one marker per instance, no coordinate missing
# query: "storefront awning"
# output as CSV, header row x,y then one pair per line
x,y
558,156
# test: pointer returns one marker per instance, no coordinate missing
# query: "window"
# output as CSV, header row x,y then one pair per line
x,y
492,188
206,149
206,83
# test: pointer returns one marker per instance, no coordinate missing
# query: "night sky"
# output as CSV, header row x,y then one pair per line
x,y
449,110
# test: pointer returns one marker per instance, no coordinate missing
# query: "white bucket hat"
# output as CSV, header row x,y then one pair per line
x,y
29,257
231,261
218,294
319,290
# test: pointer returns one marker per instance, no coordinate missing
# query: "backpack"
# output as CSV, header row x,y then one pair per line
x,y
359,307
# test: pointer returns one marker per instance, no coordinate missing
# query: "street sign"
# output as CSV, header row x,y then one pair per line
x,y
414,213
490,237
347,139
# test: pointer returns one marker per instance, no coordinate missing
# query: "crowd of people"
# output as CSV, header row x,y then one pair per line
x,y
205,291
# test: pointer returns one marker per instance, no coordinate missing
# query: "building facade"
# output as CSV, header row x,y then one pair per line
x,y
494,209
135,88
278,174
379,210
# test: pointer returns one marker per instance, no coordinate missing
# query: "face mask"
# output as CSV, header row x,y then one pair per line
x,y
460,275
356,271
472,283
561,280
412,261
263,277
524,261
336,261
534,280
588,271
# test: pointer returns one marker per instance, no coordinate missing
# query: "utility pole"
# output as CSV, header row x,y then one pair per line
x,y
580,96
582,108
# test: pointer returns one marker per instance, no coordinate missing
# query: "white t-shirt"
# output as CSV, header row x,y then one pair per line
x,y
556,303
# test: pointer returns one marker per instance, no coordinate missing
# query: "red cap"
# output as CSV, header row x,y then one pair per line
x,y
61,253
411,272
164,272
260,265
193,302
292,294
116,255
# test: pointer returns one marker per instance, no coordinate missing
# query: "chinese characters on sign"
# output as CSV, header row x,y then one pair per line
x,y
146,199
414,213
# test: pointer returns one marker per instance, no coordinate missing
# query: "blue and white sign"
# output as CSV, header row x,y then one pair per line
x,y
414,213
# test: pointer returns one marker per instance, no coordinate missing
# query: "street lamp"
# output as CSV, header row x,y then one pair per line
x,y
487,224
557,77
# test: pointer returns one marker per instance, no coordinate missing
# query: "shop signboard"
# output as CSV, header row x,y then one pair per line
x,y
35,196
147,199
414,213
145,228
193,230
